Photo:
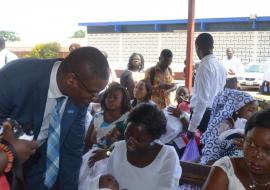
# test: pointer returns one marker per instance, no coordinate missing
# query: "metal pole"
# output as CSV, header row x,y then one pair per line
x,y
190,44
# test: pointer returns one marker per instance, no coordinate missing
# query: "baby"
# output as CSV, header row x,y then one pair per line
x,y
103,182
112,136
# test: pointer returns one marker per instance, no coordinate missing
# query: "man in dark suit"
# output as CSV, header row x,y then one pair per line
x,y
51,97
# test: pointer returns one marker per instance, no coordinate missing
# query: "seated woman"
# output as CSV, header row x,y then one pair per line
x,y
133,73
140,162
252,171
142,93
231,109
115,104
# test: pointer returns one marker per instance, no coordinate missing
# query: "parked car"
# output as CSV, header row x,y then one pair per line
x,y
252,76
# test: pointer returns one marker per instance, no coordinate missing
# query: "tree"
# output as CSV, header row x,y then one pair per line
x,y
9,36
45,51
78,34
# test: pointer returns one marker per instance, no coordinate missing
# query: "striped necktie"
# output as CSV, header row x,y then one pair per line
x,y
52,164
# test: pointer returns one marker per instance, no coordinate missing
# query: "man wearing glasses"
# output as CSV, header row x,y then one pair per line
x,y
50,97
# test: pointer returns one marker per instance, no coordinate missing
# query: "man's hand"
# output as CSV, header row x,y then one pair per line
x,y
24,148
231,72
98,155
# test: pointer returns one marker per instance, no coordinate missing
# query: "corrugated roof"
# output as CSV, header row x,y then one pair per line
x,y
178,21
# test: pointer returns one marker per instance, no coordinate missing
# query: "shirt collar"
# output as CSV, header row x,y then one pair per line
x,y
54,91
207,57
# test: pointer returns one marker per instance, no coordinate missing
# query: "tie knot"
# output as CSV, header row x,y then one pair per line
x,y
60,100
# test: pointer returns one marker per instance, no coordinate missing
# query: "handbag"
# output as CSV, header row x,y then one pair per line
x,y
191,152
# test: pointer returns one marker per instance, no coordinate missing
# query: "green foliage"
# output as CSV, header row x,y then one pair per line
x,y
45,51
9,36
78,34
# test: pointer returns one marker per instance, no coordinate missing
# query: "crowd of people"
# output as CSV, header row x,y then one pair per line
x,y
90,132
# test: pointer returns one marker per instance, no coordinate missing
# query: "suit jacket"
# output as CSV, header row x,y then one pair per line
x,y
24,88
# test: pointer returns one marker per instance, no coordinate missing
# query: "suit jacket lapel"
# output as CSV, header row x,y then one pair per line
x,y
39,101
68,118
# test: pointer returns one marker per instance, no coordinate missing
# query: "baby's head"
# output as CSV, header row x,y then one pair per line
x,y
103,182
108,181
116,134
182,94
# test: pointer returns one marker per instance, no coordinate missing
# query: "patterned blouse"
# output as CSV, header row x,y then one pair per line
x,y
159,96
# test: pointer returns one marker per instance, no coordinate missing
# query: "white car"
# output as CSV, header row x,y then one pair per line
x,y
252,77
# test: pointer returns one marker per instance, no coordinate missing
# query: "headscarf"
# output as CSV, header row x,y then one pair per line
x,y
225,104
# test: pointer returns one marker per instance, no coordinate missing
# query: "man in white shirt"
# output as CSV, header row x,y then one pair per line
x,y
210,79
233,67
5,55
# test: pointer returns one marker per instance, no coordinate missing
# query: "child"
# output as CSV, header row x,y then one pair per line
x,y
115,104
177,117
112,136
182,109
182,97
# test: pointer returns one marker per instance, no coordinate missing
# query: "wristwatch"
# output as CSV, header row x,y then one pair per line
x,y
108,153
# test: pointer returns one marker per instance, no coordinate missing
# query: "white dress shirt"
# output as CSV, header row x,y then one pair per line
x,y
53,94
210,79
6,56
234,65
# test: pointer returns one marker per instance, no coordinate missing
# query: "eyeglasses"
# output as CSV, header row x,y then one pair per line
x,y
91,92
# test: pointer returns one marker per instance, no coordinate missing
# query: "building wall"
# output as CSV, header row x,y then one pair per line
x,y
249,46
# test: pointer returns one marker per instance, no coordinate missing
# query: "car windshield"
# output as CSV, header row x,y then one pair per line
x,y
255,68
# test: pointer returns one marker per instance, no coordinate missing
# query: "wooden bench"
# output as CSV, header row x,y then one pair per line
x,y
193,173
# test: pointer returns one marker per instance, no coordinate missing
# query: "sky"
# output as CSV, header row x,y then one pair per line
x,y
56,20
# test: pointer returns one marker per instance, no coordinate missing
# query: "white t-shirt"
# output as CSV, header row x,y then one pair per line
x,y
163,173
234,65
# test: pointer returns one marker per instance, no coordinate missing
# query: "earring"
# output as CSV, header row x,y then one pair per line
x,y
152,143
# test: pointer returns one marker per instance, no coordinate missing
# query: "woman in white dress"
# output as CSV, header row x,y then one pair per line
x,y
251,171
140,162
133,73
